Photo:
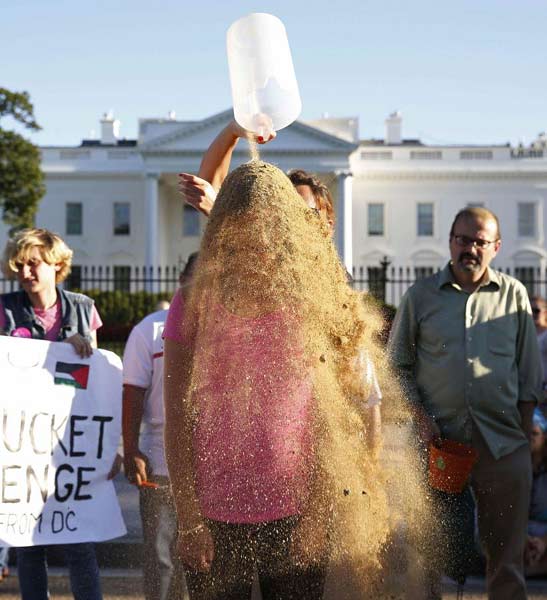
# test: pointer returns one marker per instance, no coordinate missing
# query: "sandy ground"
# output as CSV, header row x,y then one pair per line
x,y
124,584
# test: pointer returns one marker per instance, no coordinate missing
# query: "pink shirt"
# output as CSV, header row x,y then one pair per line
x,y
51,320
252,438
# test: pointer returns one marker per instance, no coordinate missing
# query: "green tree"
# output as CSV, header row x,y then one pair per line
x,y
21,179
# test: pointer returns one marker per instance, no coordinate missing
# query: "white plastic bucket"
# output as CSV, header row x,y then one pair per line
x,y
264,87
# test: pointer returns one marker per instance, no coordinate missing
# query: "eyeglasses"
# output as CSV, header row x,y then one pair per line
x,y
463,241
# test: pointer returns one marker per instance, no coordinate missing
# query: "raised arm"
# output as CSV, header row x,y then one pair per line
x,y
200,190
215,163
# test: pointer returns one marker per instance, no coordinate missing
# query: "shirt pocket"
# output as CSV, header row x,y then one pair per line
x,y
502,337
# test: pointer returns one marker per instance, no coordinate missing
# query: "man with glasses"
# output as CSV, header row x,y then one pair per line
x,y
464,343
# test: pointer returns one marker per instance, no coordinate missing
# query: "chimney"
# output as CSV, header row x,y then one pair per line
x,y
110,129
393,129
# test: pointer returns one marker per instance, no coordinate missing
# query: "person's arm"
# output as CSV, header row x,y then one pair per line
x,y
200,191
402,352
138,370
528,363
135,463
195,543
82,347
215,163
197,192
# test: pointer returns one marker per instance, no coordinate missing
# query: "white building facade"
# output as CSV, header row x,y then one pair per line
x,y
116,201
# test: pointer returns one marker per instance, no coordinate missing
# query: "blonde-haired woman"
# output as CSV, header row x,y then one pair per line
x,y
39,260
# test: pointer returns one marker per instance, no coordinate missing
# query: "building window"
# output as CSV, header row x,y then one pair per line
x,y
376,219
425,219
122,216
380,155
527,219
426,155
122,278
190,221
74,215
422,272
74,280
476,155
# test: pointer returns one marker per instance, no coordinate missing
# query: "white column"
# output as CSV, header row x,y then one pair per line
x,y
344,219
151,224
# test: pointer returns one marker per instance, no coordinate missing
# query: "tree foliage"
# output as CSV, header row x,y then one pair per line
x,y
21,179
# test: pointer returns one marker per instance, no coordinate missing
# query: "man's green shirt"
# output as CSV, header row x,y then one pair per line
x,y
469,358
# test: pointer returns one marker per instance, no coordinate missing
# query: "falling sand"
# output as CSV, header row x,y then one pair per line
x,y
266,258
253,149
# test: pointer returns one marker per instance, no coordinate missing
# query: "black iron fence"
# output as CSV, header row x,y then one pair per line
x,y
119,278
385,281
389,282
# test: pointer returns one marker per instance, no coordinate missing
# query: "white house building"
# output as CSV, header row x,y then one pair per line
x,y
116,203
406,195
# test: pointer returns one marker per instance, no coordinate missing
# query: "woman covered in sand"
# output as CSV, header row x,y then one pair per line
x,y
264,427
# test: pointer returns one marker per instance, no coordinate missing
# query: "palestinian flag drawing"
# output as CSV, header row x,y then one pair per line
x,y
72,374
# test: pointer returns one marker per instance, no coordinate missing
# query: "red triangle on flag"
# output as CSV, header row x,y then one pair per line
x,y
81,375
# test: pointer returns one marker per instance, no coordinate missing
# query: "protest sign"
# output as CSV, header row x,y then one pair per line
x,y
60,429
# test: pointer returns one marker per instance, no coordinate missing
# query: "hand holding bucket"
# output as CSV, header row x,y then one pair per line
x,y
450,465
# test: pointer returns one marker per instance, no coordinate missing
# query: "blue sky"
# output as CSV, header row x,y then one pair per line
x,y
471,71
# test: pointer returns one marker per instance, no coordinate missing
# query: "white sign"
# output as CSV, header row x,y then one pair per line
x,y
60,428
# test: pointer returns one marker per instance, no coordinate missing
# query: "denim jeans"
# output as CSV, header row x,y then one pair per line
x,y
82,565
4,552
163,573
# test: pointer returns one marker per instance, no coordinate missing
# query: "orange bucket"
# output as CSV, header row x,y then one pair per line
x,y
450,464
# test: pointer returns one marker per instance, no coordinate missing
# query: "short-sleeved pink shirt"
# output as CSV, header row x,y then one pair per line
x,y
51,319
252,437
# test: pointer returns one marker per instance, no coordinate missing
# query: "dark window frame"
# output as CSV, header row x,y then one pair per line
x,y
430,232
121,228
377,231
74,220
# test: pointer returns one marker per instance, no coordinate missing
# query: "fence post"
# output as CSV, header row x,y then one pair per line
x,y
384,263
